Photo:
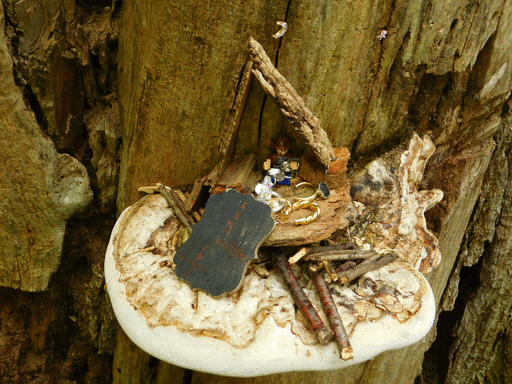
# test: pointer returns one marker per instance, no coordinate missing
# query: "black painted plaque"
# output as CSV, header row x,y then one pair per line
x,y
223,242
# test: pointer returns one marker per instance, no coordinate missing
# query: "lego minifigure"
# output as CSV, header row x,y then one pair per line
x,y
280,165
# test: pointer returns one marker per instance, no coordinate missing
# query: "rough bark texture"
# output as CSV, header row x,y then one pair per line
x,y
292,105
59,131
40,189
443,69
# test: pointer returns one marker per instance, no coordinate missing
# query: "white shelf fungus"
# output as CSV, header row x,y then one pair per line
x,y
257,330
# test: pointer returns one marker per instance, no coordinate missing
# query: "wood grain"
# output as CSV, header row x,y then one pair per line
x,y
292,105
40,189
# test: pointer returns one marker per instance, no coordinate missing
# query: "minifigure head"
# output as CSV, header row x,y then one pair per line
x,y
282,151
282,144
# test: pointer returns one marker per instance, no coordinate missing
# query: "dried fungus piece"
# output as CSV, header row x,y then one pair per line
x,y
394,213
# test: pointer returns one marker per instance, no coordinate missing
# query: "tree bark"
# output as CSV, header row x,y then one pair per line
x,y
134,93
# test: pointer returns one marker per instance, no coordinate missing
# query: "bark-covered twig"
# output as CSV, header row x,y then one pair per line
x,y
184,199
340,335
333,247
326,266
186,220
322,333
345,266
338,255
299,255
178,198
292,105
375,262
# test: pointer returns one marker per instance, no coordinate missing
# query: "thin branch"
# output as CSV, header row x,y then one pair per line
x,y
339,255
375,262
182,215
322,333
345,266
340,335
333,247
177,197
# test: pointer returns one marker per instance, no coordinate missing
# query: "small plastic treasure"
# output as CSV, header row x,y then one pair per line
x,y
280,165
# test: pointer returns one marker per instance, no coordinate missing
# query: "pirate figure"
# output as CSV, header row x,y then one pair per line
x,y
280,165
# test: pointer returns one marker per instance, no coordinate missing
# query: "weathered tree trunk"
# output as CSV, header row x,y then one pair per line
x,y
85,84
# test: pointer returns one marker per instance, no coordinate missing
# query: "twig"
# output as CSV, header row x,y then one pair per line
x,y
299,255
329,271
322,333
371,264
181,196
326,266
184,218
340,255
177,199
196,192
333,247
340,335
345,266
292,105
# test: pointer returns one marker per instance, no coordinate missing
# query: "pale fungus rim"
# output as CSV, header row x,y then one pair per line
x,y
274,350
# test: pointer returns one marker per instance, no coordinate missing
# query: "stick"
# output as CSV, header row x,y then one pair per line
x,y
177,194
345,266
340,335
194,195
326,266
177,199
322,333
181,197
371,264
299,255
340,255
333,247
330,273
184,218
292,105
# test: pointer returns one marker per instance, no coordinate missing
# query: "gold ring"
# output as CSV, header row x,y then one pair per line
x,y
310,218
309,198
287,208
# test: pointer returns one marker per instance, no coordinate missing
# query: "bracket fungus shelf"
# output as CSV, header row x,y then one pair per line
x,y
257,329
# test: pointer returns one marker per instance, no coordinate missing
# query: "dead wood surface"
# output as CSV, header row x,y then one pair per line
x,y
331,218
53,232
369,92
40,189
292,105
483,334
235,107
443,69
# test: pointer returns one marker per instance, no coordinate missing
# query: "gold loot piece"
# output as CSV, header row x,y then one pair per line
x,y
280,204
301,204
321,191
309,205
